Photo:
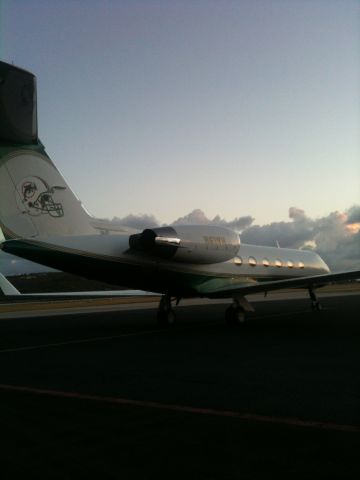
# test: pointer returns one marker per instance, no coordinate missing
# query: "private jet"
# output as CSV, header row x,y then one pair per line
x,y
43,221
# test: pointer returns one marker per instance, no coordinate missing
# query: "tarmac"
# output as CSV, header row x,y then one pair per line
x,y
109,393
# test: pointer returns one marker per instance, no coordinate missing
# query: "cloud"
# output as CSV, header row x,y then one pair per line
x,y
335,237
297,213
198,217
353,214
291,234
139,222
345,255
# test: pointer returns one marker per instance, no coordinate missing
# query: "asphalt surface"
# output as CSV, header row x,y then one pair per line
x,y
279,395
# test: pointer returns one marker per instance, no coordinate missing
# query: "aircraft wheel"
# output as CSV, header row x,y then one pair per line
x,y
234,316
166,318
316,306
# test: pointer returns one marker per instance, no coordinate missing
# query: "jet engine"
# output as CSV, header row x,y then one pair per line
x,y
188,243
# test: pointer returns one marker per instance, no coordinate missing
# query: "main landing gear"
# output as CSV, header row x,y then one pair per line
x,y
235,313
315,304
166,315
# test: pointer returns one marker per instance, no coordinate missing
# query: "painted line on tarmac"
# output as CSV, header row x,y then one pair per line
x,y
101,339
145,332
58,311
139,334
249,417
81,340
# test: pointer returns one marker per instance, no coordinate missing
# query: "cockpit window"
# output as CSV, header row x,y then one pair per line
x,y
301,265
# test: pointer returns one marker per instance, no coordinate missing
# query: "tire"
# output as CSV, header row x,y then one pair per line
x,y
234,316
166,318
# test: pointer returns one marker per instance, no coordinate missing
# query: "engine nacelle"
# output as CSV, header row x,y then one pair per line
x,y
188,243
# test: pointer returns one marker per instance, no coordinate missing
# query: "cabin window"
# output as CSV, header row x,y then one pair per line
x,y
252,261
278,263
266,262
238,261
301,265
290,264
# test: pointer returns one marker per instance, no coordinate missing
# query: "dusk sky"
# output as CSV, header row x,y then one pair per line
x,y
234,107
161,107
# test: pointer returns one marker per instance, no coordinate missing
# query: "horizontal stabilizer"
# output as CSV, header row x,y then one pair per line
x,y
6,287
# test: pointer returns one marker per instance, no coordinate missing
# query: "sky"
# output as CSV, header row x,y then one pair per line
x,y
235,109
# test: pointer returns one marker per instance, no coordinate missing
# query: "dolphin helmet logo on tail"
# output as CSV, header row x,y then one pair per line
x,y
36,196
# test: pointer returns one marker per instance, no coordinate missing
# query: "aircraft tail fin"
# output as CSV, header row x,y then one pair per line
x,y
34,197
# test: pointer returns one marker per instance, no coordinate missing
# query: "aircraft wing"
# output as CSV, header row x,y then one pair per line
x,y
210,289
